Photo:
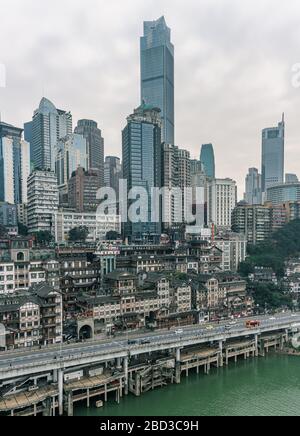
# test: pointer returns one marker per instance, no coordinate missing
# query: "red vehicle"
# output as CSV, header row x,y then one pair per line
x,y
252,324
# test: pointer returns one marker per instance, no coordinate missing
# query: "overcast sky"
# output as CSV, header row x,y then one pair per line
x,y
233,69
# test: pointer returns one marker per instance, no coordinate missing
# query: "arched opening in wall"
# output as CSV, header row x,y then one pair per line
x,y
20,256
85,333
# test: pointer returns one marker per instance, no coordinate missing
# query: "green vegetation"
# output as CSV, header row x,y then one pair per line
x,y
269,296
44,237
113,236
78,234
283,244
22,230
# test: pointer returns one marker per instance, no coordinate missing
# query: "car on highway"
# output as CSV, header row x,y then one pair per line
x,y
210,327
133,342
179,332
145,342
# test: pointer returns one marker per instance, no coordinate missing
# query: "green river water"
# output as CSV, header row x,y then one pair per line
x,y
261,387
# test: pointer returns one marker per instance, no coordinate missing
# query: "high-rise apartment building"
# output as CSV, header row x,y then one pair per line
x,y
43,200
95,145
49,125
157,73
253,193
273,142
82,190
221,199
207,158
14,165
141,144
253,221
176,179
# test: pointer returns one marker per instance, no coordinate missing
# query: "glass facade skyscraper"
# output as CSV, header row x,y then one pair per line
x,y
141,144
157,73
14,164
95,145
49,125
273,156
207,158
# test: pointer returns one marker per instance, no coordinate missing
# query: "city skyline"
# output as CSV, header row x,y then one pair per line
x,y
209,68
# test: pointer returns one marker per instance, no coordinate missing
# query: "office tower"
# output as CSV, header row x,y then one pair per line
x,y
28,136
49,125
207,158
14,165
254,221
157,73
141,147
291,178
222,199
95,145
112,173
82,190
71,154
282,193
253,194
43,200
273,140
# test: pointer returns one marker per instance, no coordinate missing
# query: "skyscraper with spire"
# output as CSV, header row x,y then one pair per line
x,y
157,73
273,143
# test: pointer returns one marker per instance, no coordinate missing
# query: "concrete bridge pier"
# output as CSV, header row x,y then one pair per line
x,y
60,392
178,366
256,346
221,358
125,365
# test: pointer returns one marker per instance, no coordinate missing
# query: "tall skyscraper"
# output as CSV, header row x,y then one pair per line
x,y
49,125
112,172
207,158
95,145
157,73
141,144
273,140
253,193
14,164
71,154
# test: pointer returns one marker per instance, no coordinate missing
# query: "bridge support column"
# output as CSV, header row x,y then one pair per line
x,y
125,363
256,345
221,358
55,376
286,336
70,404
60,392
178,366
